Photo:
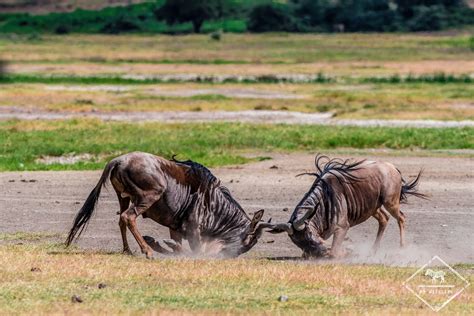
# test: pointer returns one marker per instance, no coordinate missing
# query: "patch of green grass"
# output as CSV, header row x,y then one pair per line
x,y
440,77
61,79
213,144
210,97
436,78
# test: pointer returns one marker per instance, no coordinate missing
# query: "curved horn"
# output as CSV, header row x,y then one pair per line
x,y
280,228
299,224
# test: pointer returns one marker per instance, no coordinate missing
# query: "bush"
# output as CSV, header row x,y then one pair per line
x,y
62,29
121,24
216,35
430,18
271,18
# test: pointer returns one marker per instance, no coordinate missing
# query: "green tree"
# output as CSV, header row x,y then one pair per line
x,y
194,11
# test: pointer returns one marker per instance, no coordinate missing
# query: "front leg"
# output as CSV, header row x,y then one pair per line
x,y
177,245
336,249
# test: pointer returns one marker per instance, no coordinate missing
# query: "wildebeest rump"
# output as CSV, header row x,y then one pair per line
x,y
345,194
181,195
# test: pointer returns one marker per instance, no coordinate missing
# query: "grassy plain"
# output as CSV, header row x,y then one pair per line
x,y
41,276
277,48
353,62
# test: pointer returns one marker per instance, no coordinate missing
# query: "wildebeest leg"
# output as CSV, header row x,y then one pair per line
x,y
401,225
394,210
177,238
336,248
382,218
124,204
130,218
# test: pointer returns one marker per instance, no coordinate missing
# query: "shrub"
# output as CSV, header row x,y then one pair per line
x,y
216,35
121,24
62,29
271,18
425,18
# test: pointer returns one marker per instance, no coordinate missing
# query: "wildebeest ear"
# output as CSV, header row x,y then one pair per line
x,y
256,218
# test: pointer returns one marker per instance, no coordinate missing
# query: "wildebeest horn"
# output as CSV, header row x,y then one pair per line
x,y
280,228
298,224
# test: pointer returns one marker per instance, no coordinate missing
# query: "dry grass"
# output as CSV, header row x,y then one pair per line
x,y
177,286
342,54
334,68
410,101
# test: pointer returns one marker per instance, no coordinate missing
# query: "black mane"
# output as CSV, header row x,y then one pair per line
x,y
199,171
342,172
223,213
207,179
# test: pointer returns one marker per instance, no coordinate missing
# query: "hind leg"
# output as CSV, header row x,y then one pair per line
x,y
394,210
382,218
136,209
124,204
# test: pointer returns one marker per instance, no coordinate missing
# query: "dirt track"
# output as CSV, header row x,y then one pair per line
x,y
441,226
251,116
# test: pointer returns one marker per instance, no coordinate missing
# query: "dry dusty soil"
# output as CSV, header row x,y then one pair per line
x,y
443,225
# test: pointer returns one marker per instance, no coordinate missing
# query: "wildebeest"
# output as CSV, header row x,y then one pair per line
x,y
435,275
345,194
181,195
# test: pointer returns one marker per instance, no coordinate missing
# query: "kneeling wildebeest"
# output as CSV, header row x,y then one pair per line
x,y
345,194
181,195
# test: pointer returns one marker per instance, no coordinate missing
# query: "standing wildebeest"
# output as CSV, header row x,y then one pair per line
x,y
343,195
181,195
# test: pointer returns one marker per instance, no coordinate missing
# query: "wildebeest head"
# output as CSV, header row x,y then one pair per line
x,y
222,221
316,212
303,233
250,232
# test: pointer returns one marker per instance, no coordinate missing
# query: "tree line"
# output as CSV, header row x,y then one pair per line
x,y
184,16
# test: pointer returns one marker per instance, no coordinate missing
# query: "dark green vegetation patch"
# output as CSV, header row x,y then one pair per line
x,y
186,16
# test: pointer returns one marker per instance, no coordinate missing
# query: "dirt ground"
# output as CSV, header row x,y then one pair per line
x,y
250,116
443,225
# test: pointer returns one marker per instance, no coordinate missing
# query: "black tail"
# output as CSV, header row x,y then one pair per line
x,y
85,213
411,189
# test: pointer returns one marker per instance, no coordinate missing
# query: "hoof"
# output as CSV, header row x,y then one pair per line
x,y
150,256
149,240
127,252
176,247
155,245
339,255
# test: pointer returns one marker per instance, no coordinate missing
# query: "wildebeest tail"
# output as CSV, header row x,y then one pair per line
x,y
85,213
410,188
